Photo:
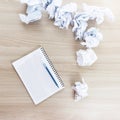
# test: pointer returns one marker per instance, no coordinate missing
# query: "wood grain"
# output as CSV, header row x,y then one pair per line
x,y
103,78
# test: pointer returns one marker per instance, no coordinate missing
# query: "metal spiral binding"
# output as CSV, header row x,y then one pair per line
x,y
50,63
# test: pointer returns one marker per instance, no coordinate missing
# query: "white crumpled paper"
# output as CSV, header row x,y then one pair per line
x,y
86,57
98,13
45,3
52,8
92,37
80,31
33,14
34,10
63,15
79,24
80,90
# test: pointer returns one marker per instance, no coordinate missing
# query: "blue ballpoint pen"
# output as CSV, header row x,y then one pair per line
x,y
50,74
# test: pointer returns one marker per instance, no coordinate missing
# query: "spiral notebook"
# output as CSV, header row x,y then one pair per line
x,y
38,75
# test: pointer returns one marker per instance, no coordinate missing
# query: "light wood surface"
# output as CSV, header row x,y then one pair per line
x,y
103,78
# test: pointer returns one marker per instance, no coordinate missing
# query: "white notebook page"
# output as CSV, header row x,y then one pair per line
x,y
35,77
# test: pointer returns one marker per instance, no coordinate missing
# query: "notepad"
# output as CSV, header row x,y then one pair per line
x,y
38,75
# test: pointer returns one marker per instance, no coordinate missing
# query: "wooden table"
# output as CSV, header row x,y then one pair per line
x,y
103,78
